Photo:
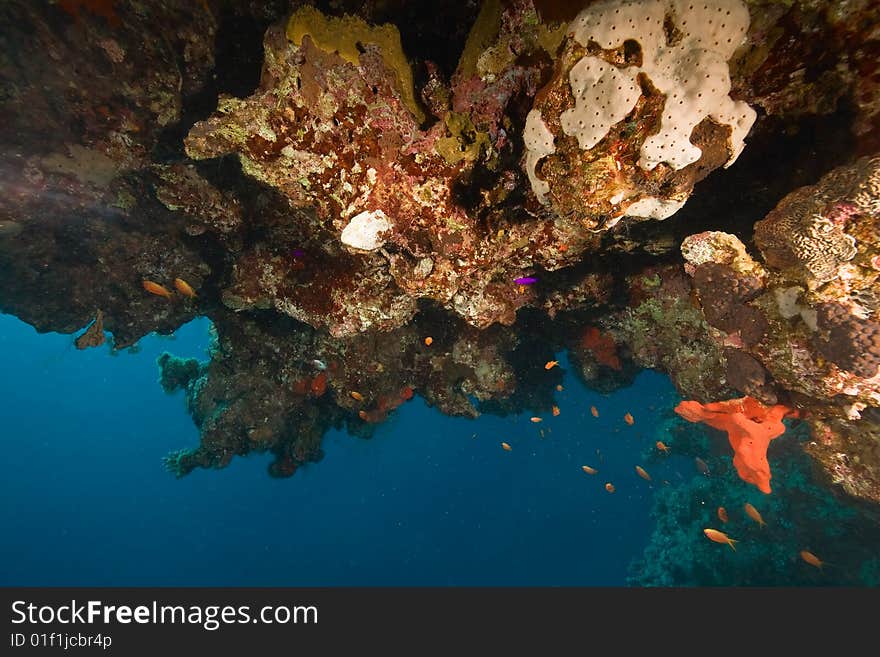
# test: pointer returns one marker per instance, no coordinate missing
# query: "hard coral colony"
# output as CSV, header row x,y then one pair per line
x,y
367,223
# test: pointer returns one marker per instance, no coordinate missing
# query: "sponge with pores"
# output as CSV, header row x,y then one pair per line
x,y
691,71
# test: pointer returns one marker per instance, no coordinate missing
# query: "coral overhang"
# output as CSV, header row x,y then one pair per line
x,y
353,193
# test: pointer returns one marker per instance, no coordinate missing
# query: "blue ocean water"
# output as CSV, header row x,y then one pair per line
x,y
429,500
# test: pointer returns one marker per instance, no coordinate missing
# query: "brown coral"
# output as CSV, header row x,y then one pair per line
x,y
723,293
807,231
747,375
848,341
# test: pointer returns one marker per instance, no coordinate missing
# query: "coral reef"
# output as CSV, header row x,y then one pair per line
x,y
800,514
801,327
336,183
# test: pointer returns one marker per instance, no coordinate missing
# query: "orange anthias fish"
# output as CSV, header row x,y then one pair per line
x,y
629,419
550,364
752,513
555,411
662,446
429,341
812,559
362,415
642,473
559,388
722,514
720,537
155,288
594,411
589,470
610,487
506,447
536,419
702,466
356,395
184,288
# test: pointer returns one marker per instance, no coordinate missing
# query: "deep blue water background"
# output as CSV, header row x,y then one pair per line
x,y
86,500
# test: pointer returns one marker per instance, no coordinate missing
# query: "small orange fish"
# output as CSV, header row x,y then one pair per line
x,y
184,288
555,411
594,411
362,415
429,341
752,513
550,364
589,470
506,447
155,288
629,419
356,395
521,289
722,514
610,487
720,537
559,388
563,247
536,419
812,559
662,446
642,473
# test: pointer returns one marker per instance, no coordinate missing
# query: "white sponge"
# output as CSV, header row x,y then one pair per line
x,y
692,72
604,95
539,143
363,231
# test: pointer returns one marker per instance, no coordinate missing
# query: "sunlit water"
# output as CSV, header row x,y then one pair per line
x,y
429,500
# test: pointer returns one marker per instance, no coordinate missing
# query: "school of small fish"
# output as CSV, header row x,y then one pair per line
x,y
702,467
160,290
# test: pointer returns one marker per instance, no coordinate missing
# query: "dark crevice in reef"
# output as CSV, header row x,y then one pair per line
x,y
238,61
238,53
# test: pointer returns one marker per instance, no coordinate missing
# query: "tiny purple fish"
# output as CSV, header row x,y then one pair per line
x,y
298,253
525,280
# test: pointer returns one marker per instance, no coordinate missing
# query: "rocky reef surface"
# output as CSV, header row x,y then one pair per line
x,y
369,206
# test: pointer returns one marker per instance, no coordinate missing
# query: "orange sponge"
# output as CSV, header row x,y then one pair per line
x,y
750,427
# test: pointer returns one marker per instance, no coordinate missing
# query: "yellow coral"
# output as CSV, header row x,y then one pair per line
x,y
342,36
483,32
